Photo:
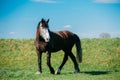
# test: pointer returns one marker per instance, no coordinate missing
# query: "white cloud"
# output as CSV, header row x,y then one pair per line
x,y
12,33
45,1
67,26
107,1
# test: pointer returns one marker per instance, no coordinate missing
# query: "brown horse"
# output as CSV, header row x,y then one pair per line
x,y
48,41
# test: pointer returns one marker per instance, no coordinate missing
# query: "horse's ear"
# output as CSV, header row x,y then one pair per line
x,y
42,20
47,20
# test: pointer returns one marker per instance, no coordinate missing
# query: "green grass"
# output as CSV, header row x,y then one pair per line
x,y
101,61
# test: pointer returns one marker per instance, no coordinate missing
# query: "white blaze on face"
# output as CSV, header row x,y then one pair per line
x,y
44,33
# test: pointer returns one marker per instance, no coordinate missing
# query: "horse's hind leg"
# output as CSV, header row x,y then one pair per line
x,y
77,70
61,66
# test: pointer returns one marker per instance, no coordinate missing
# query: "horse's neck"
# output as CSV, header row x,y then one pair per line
x,y
38,37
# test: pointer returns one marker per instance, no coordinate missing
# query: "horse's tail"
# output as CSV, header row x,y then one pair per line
x,y
78,48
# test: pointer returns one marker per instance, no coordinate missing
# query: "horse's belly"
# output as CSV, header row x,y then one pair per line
x,y
54,49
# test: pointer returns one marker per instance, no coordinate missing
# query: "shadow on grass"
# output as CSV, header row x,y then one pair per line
x,y
96,72
90,72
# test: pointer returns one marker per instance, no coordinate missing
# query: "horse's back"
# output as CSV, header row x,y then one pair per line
x,y
67,39
64,34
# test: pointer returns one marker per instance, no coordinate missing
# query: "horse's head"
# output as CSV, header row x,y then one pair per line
x,y
43,30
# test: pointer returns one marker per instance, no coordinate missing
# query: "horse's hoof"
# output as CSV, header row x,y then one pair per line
x,y
52,72
77,71
38,72
57,72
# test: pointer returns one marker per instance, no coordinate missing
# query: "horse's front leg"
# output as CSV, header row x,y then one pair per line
x,y
39,55
49,62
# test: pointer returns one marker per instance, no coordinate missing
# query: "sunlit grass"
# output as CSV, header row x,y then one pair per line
x,y
101,61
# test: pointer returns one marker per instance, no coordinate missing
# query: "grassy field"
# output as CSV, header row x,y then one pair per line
x,y
101,61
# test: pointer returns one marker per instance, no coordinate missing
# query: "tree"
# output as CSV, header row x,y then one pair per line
x,y
105,35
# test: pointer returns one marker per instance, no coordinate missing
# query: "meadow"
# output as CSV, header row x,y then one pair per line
x,y
101,61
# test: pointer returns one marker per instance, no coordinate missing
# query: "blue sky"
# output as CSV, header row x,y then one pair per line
x,y
87,18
